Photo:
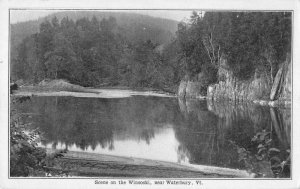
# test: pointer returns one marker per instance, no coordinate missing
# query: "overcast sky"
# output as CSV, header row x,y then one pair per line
x,y
25,15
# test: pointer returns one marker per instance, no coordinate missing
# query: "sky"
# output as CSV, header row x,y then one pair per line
x,y
25,15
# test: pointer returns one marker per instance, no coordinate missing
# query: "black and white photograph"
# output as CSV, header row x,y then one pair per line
x,y
150,96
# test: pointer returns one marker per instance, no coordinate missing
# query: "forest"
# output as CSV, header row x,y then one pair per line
x,y
101,52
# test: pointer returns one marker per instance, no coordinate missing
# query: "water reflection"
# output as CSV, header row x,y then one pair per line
x,y
198,132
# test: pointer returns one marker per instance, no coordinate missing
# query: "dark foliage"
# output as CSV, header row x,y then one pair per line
x,y
93,52
13,87
25,157
249,41
90,53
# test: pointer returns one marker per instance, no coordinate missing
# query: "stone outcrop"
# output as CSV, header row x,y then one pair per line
x,y
193,89
232,89
182,89
281,89
190,89
260,89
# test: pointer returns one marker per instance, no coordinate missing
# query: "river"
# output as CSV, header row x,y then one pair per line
x,y
165,128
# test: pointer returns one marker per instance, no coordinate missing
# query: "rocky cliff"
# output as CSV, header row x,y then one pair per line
x,y
281,88
233,89
260,89
190,89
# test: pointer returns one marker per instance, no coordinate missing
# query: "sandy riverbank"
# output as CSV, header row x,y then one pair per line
x,y
63,88
100,165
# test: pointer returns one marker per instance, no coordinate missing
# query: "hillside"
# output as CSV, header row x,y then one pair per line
x,y
134,26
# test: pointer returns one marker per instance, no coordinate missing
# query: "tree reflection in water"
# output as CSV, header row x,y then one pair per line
x,y
206,132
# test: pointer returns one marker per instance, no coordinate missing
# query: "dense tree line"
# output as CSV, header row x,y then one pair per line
x,y
249,41
90,53
93,52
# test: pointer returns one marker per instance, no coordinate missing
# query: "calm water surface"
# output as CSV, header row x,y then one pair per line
x,y
159,128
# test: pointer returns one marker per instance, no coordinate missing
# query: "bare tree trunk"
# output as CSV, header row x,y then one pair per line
x,y
215,61
212,46
211,59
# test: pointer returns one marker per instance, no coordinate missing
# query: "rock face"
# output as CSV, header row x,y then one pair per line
x,y
276,84
193,89
259,88
232,89
182,89
189,89
281,89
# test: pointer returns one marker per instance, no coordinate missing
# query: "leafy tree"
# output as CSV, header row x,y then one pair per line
x,y
26,159
61,59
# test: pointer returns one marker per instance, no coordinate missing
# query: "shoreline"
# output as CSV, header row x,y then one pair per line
x,y
87,164
92,93
101,93
58,85
64,88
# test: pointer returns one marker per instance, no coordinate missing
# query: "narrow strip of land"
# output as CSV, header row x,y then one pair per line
x,y
100,165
